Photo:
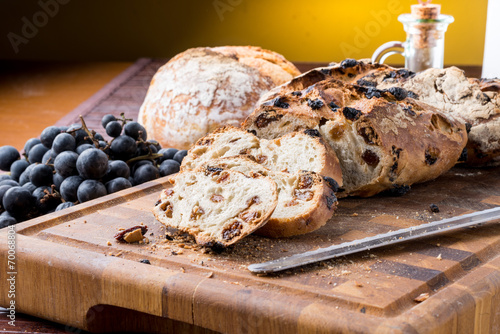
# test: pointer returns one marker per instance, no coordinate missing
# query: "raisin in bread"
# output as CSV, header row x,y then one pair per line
x,y
217,206
383,139
306,200
294,152
474,101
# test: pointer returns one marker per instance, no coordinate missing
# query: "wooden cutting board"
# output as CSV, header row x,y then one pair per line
x,y
71,270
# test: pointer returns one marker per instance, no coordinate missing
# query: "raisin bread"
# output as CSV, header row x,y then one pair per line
x,y
474,101
306,200
383,139
217,206
294,152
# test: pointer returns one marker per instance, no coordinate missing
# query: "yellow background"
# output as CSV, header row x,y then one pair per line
x,y
315,31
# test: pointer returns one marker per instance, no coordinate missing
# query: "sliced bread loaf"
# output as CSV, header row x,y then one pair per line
x,y
383,139
217,206
474,101
304,150
306,200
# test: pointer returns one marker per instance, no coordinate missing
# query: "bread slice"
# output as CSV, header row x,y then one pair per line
x,y
306,200
294,152
217,206
384,140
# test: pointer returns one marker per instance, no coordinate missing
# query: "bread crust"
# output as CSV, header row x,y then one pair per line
x,y
308,221
399,140
473,101
203,88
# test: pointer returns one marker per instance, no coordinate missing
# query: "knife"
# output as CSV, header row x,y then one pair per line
x,y
380,240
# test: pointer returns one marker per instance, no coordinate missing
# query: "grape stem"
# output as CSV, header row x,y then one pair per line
x,y
91,134
149,156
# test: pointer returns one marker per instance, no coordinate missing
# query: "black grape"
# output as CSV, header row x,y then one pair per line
x,y
117,184
41,175
18,201
123,147
49,157
57,179
106,119
3,190
8,154
25,176
36,153
6,221
140,163
92,164
64,205
117,168
98,136
113,129
168,153
30,143
65,164
30,186
17,168
89,190
83,147
5,177
179,156
69,188
64,142
11,183
168,167
132,129
48,135
81,137
146,173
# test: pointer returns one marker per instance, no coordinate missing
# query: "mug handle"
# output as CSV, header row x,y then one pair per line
x,y
382,51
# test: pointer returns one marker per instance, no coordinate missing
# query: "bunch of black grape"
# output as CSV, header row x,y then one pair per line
x,y
71,165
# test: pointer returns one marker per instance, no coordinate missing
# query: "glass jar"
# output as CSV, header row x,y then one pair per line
x,y
424,45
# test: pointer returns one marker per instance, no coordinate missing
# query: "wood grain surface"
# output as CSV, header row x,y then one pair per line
x,y
88,281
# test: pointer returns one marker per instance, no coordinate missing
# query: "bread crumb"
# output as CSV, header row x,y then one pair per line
x,y
121,229
355,214
357,284
134,236
183,270
420,298
210,274
346,272
85,222
439,257
109,243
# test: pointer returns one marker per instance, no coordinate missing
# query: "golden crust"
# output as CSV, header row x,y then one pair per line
x,y
308,221
203,88
403,140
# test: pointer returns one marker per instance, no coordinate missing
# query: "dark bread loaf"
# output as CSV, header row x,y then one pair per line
x,y
473,101
383,139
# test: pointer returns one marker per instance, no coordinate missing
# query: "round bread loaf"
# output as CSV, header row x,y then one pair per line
x,y
202,89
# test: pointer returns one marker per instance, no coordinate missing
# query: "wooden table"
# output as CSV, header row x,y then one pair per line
x,y
48,92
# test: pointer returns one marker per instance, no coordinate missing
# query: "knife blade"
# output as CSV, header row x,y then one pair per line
x,y
380,240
